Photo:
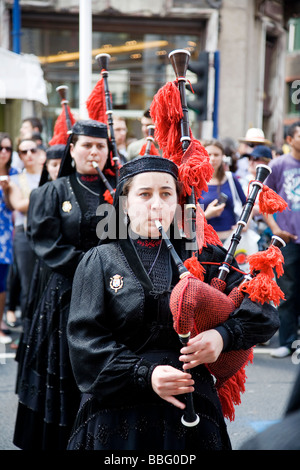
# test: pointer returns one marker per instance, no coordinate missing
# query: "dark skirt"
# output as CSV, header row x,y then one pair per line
x,y
152,426
48,394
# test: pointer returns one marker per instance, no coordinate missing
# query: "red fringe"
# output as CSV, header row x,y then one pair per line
x,y
60,133
230,391
270,202
96,105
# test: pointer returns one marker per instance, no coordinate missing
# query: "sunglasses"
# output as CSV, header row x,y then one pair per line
x,y
24,152
8,149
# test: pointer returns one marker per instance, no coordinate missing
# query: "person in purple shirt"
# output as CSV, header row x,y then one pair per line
x,y
219,202
285,181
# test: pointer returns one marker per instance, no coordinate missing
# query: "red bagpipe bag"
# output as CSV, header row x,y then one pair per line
x,y
195,305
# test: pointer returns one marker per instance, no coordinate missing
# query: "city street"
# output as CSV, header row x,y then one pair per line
x,y
263,403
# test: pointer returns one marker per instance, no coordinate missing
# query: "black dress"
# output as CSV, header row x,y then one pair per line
x,y
120,327
62,226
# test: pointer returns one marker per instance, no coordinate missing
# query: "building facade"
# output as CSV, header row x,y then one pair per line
x,y
247,42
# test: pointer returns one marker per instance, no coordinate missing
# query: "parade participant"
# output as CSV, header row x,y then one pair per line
x,y
127,358
62,225
54,155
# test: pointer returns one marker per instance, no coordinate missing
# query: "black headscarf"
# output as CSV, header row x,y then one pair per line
x,y
52,153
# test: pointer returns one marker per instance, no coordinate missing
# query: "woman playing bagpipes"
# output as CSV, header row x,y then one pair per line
x,y
127,358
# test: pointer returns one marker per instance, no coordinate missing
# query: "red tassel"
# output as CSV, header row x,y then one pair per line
x,y
60,133
166,112
108,197
270,202
267,260
96,105
194,166
262,287
195,267
195,169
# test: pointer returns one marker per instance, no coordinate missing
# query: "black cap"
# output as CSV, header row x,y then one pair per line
x,y
87,127
91,128
149,163
55,151
260,151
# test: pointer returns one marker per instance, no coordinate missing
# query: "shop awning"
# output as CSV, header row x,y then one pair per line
x,y
21,77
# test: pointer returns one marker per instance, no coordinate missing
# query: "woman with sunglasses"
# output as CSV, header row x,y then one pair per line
x,y
20,187
6,224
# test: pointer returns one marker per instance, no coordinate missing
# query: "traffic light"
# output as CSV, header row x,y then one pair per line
x,y
200,67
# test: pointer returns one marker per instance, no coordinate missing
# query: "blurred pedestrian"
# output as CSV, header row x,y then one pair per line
x,y
62,226
134,148
31,125
6,225
284,180
260,155
254,136
225,197
120,131
231,154
31,128
20,187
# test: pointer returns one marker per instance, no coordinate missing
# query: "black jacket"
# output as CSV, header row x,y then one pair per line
x,y
110,326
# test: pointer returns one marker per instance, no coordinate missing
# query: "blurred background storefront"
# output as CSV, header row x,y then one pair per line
x,y
253,68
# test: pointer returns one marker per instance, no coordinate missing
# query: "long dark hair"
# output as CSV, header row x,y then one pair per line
x,y
4,135
221,170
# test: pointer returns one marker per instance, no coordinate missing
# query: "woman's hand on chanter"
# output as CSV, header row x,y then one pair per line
x,y
204,348
168,381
